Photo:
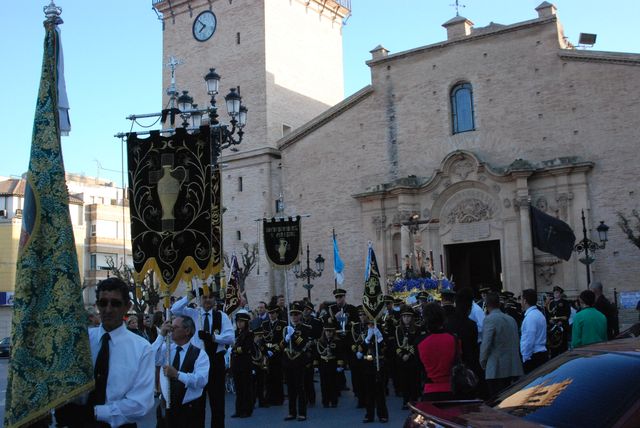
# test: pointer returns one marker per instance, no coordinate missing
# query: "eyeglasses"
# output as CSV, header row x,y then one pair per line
x,y
114,303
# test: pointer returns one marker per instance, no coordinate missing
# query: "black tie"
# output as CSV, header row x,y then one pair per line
x,y
101,371
207,326
176,359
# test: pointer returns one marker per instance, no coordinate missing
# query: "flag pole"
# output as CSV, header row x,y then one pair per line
x,y
335,278
533,250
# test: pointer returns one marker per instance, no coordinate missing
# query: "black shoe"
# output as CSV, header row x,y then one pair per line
x,y
235,415
367,421
302,418
384,420
289,418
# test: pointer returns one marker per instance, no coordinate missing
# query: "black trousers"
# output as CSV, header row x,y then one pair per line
x,y
258,379
215,390
187,415
308,384
295,388
244,392
536,360
275,390
374,394
408,378
329,383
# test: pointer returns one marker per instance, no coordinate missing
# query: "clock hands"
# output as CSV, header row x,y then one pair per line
x,y
202,26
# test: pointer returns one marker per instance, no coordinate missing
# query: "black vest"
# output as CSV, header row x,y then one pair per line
x,y
177,388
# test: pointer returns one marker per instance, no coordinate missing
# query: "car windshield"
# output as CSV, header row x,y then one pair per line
x,y
576,390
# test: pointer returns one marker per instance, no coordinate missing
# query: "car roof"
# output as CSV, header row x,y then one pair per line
x,y
631,345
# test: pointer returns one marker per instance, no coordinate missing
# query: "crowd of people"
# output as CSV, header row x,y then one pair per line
x,y
409,351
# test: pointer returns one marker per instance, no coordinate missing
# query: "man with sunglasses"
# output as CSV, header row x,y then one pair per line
x,y
215,334
123,367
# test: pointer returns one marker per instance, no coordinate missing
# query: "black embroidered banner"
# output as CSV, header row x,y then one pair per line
x,y
372,299
282,240
174,200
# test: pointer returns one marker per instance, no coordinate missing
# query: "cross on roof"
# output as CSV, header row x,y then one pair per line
x,y
457,5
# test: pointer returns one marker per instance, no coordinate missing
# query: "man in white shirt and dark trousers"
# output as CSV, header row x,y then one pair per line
x,y
215,333
533,340
123,367
185,372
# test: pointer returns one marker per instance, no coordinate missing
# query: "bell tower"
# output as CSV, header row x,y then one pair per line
x,y
286,57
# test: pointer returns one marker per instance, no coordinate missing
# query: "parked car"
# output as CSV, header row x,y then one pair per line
x,y
5,347
593,386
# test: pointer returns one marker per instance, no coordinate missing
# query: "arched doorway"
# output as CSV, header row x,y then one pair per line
x,y
475,264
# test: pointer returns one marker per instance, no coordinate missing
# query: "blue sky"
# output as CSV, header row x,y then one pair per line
x,y
113,60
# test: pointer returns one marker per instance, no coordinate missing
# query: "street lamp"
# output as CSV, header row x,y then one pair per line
x,y
308,272
589,247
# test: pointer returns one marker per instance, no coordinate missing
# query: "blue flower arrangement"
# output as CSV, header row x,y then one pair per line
x,y
418,284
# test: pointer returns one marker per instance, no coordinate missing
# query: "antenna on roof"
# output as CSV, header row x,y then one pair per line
x,y
587,40
457,5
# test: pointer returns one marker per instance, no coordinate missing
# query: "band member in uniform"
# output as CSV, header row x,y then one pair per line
x,y
344,315
259,367
358,333
330,361
186,372
316,332
241,365
558,312
389,321
295,343
273,335
372,357
407,363
448,302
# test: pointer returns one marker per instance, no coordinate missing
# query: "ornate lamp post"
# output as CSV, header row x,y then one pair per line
x,y
589,247
309,273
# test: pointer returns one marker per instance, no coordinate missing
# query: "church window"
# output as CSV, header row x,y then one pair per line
x,y
462,108
239,235
239,184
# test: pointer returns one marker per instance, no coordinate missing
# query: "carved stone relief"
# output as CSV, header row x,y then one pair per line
x,y
379,222
470,211
563,200
545,269
463,168
470,206
506,202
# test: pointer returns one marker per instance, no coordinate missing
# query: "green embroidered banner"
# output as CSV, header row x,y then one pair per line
x,y
50,357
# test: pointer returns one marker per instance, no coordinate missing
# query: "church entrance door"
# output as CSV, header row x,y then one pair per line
x,y
475,264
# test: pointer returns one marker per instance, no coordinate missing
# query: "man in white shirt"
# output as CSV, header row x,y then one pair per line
x,y
184,374
215,333
533,340
123,367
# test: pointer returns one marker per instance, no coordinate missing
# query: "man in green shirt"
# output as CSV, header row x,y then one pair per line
x,y
589,325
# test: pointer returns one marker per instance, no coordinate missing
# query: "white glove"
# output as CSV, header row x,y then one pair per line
x,y
269,354
290,331
370,334
340,369
378,334
359,355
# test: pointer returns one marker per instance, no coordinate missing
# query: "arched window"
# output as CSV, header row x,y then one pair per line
x,y
462,108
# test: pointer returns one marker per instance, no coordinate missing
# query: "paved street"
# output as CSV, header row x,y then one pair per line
x,y
345,414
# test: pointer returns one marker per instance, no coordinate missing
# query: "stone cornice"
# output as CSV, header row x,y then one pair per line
x,y
517,169
466,39
622,58
325,117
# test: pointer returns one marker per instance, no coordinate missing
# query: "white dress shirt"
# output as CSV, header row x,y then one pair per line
x,y
534,333
477,315
131,376
225,337
194,382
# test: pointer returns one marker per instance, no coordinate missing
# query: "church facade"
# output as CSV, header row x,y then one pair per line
x,y
440,156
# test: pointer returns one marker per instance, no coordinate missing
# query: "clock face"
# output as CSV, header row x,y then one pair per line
x,y
204,26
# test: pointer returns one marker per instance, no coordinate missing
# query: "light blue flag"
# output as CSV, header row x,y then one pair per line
x,y
338,264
